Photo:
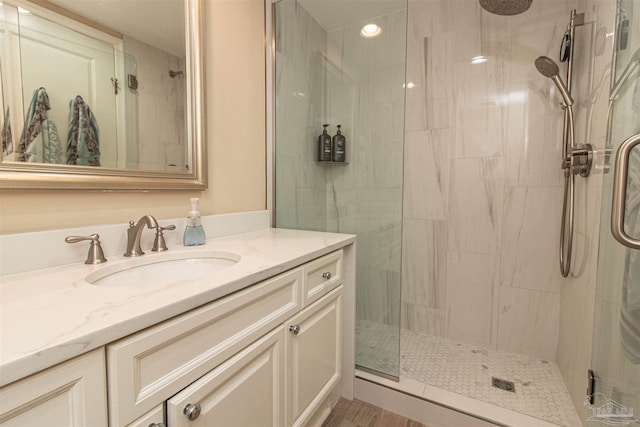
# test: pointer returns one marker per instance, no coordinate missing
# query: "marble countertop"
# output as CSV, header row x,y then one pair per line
x,y
50,315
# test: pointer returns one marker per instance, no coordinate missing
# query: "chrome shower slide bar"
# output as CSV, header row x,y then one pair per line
x,y
620,192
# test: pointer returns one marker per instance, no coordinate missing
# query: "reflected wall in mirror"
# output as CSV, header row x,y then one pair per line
x,y
101,94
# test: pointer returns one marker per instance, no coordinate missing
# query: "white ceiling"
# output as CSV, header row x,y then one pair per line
x,y
159,23
334,14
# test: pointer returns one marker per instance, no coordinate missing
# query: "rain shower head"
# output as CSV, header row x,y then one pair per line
x,y
548,68
506,7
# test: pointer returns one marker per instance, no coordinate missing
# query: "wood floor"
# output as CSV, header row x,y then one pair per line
x,y
360,414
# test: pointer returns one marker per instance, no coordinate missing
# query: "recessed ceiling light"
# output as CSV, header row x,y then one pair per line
x,y
370,31
409,85
478,59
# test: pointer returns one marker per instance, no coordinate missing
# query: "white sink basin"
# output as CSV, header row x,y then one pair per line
x,y
163,268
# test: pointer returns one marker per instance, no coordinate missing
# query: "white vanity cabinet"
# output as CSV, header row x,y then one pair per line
x,y
267,355
67,395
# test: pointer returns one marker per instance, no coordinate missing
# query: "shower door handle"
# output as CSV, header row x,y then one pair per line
x,y
620,192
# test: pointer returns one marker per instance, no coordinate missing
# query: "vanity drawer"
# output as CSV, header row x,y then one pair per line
x,y
321,276
148,367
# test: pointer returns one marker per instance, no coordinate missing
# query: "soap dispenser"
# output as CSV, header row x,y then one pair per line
x,y
338,146
193,232
324,146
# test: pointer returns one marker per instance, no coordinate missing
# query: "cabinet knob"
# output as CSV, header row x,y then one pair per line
x,y
326,275
157,425
295,329
192,411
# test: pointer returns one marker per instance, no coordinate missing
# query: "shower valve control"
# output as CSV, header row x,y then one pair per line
x,y
580,161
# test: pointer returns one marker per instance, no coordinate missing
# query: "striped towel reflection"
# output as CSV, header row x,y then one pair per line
x,y
83,144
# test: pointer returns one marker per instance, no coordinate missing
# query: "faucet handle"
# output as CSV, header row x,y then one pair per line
x,y
159,244
95,255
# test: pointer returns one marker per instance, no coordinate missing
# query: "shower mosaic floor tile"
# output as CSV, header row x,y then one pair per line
x,y
468,370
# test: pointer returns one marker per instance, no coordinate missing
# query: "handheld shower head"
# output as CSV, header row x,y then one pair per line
x,y
548,68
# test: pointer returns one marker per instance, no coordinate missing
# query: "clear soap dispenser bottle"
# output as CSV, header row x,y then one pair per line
x,y
193,232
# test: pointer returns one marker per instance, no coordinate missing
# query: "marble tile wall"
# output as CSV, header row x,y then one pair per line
x,y
160,113
483,187
486,173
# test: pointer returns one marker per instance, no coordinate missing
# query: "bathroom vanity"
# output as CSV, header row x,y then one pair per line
x,y
266,341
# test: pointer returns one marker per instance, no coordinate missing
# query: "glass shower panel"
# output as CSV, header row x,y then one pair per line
x,y
326,72
616,339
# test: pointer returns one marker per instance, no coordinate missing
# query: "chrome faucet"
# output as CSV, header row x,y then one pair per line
x,y
134,232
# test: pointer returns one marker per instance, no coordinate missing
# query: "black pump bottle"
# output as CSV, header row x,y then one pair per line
x,y
338,146
324,146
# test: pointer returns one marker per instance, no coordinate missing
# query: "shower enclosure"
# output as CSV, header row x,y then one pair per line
x,y
452,184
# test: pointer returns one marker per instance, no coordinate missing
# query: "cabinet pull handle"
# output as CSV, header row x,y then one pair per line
x,y
192,411
295,329
326,275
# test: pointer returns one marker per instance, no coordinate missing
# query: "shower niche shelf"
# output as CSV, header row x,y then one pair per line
x,y
333,163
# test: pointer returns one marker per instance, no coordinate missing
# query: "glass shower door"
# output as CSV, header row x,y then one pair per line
x,y
327,71
616,339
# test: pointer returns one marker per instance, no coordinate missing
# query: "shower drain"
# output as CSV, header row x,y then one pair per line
x,y
503,384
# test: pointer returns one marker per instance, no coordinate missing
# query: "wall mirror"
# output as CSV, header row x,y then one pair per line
x,y
102,94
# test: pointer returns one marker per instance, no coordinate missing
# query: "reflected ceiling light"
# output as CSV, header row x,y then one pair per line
x,y
409,85
370,31
24,11
479,59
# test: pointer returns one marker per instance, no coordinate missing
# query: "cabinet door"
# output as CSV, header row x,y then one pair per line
x,y
70,394
246,390
314,356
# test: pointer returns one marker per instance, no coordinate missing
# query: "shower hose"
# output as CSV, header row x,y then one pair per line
x,y
566,242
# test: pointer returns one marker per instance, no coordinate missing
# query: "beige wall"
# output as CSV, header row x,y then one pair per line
x,y
235,121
